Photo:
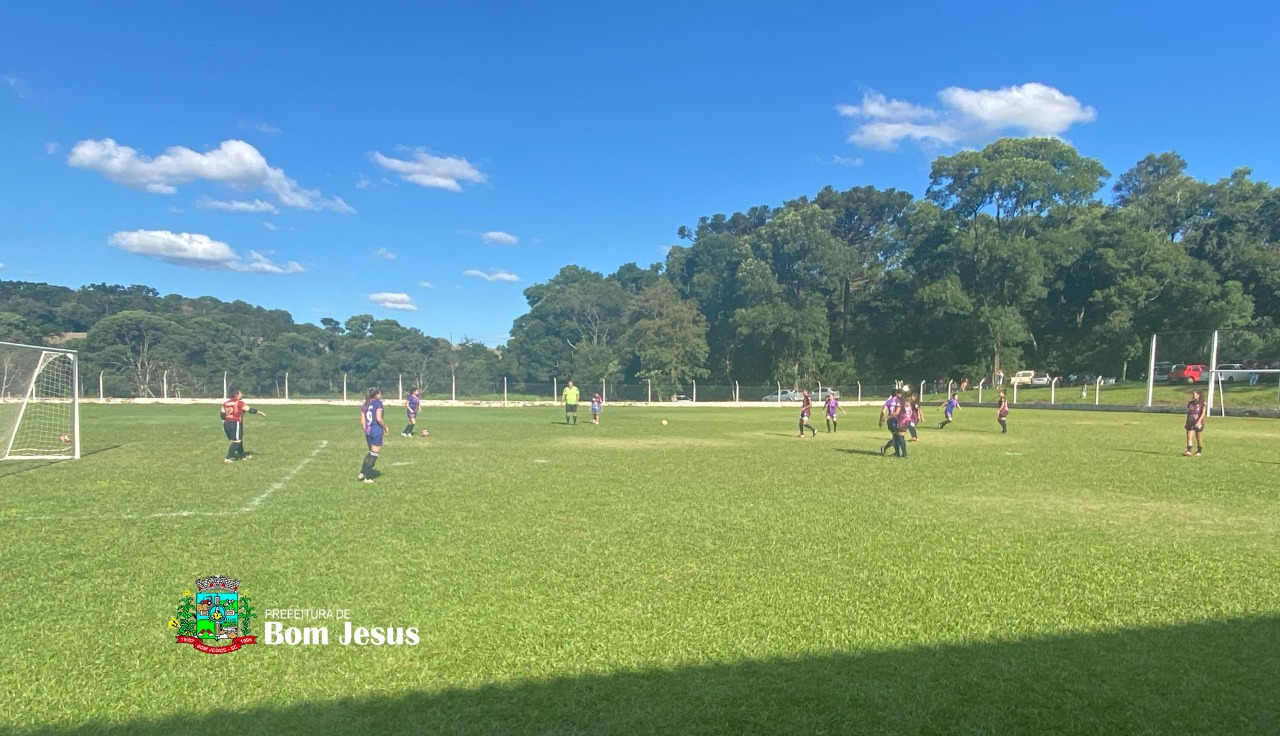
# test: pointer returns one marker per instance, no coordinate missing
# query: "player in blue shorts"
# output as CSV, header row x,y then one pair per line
x,y
374,429
949,408
411,409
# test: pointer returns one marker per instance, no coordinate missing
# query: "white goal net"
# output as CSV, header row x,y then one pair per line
x,y
39,403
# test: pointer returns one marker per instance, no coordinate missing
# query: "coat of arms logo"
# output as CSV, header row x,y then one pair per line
x,y
217,619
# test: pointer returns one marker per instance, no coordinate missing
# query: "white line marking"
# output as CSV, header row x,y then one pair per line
x,y
249,507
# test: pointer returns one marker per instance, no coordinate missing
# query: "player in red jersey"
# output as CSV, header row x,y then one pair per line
x,y
233,411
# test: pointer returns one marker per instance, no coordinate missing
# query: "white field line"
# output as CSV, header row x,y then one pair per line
x,y
249,507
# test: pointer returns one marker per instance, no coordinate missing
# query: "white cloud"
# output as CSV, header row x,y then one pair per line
x,y
848,161
259,127
51,147
499,237
384,254
233,163
430,171
237,205
270,225
965,116
363,182
18,86
426,284
394,300
1,266
493,275
193,250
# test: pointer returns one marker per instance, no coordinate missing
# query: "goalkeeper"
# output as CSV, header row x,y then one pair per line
x,y
233,411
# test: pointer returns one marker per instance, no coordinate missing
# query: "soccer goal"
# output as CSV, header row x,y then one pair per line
x,y
39,403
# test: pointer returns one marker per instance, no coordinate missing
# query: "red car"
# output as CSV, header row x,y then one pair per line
x,y
1188,373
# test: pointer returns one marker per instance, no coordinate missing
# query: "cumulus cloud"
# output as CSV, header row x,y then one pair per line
x,y
237,205
194,250
430,171
965,116
848,161
493,275
394,300
426,284
234,163
385,254
499,237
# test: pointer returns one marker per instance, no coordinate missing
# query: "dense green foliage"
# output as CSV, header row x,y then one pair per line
x,y
1075,576
141,342
1011,261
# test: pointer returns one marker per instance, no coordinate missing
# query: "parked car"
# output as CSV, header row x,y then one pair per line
x,y
822,393
1022,378
1162,370
681,399
1188,373
1233,372
785,394
1041,379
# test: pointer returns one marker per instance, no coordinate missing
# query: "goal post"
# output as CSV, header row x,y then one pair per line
x,y
39,403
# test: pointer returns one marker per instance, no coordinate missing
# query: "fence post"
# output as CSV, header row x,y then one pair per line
x,y
1097,390
779,394
859,390
1053,390
344,388
1213,370
286,385
399,385
604,389
101,396
164,385
555,392
649,396
922,389
695,390
504,390
224,385
454,377
1015,392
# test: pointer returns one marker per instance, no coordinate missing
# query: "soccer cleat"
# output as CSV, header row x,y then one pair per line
x,y
1187,453
1197,453
227,460
368,480
359,476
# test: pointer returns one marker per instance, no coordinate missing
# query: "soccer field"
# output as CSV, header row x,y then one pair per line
x,y
714,575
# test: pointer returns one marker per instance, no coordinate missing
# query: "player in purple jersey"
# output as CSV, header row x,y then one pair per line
x,y
806,407
891,416
833,406
1197,410
411,409
374,428
1002,414
949,408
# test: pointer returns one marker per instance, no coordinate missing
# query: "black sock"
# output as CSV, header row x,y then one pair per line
x,y
408,429
231,450
902,444
366,468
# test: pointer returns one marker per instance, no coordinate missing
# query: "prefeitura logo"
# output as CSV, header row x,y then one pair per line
x,y
217,619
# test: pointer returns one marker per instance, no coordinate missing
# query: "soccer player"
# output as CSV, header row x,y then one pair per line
x,y
233,411
914,415
833,405
806,406
1002,414
1197,410
411,408
949,408
889,408
597,406
374,428
570,396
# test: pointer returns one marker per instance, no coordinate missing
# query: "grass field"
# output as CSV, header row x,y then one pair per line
x,y
716,575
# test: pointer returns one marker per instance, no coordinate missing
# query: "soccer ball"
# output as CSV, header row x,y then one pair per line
x,y
664,422
63,438
426,433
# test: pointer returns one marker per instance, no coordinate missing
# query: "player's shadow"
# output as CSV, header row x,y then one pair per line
x,y
1144,452
857,451
1207,677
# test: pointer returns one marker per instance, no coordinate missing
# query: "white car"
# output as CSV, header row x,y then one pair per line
x,y
1233,372
785,394
1022,378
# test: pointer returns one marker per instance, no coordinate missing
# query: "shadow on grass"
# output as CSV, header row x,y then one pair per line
x,y
856,451
1147,452
1217,677
25,466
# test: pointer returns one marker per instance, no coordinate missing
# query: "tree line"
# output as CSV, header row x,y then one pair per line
x,y
144,344
1012,260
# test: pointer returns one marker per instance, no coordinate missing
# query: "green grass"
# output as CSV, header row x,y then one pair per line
x,y
1236,395
715,575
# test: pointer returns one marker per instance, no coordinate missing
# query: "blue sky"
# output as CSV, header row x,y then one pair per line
x,y
427,162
